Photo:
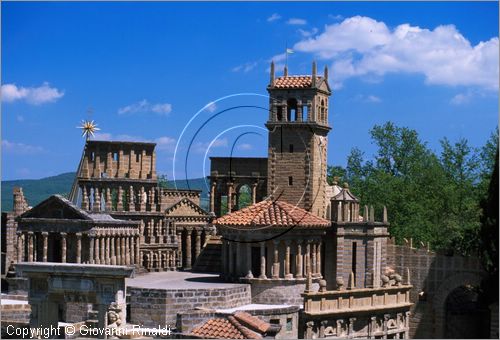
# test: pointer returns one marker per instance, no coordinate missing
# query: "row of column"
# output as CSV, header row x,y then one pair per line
x,y
283,106
159,260
307,258
114,249
186,239
232,195
94,197
30,239
157,231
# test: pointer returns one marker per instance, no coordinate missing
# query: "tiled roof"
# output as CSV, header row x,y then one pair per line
x,y
252,322
272,213
294,82
221,328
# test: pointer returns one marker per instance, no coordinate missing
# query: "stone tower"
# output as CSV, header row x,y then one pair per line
x,y
298,129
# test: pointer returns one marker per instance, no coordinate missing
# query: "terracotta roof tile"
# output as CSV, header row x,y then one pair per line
x,y
252,322
218,328
272,213
294,82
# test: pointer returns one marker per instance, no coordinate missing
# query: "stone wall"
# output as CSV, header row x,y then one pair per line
x,y
18,312
77,311
153,307
434,277
279,291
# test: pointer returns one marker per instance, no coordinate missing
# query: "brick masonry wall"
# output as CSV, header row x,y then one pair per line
x,y
15,312
436,276
77,312
153,307
279,291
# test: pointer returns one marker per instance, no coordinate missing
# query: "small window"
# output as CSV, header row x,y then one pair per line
x,y
291,148
304,112
92,156
354,253
137,157
289,324
290,180
274,321
115,156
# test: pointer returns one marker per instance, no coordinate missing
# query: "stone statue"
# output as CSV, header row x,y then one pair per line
x,y
340,283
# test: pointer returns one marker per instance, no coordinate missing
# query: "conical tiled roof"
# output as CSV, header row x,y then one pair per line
x,y
272,213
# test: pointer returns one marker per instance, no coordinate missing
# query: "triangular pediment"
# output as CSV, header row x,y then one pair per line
x,y
185,207
58,207
324,86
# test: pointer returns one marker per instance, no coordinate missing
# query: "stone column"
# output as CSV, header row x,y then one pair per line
x,y
112,254
212,195
85,198
197,249
254,193
20,247
91,251
35,259
102,254
97,200
63,246
97,258
276,264
313,260
131,199
229,197
45,236
78,247
119,204
109,204
132,250
262,261
123,250
127,250
108,253
288,275
137,250
180,248
308,258
318,258
248,271
118,250
299,269
188,249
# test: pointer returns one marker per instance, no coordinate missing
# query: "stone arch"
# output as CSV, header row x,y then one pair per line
x,y
244,195
445,289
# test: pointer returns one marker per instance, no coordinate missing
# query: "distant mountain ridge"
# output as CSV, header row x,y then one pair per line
x,y
36,190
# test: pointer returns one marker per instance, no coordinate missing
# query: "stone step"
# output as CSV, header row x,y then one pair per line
x,y
210,258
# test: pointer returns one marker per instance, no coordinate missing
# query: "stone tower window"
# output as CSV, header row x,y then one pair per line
x,y
92,156
115,156
354,250
291,148
305,112
279,113
137,158
290,180
291,109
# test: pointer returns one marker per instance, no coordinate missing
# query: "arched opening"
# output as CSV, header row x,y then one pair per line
x,y
465,318
305,113
244,196
291,109
279,113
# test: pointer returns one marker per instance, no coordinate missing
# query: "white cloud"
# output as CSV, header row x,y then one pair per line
x,y
145,106
165,143
247,67
245,146
202,147
296,21
274,17
367,98
362,46
306,33
32,95
20,148
102,136
336,17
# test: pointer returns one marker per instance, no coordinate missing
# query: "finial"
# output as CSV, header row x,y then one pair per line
x,y
365,214
285,71
372,214
407,278
88,128
384,218
346,185
308,288
325,73
272,73
335,180
340,283
314,74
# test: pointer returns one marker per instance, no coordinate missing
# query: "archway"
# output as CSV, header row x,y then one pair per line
x,y
244,196
444,291
464,317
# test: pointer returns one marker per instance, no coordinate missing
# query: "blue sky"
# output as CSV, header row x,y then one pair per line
x,y
146,69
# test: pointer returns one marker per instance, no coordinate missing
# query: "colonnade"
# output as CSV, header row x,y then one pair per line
x,y
159,260
278,259
100,246
190,240
232,193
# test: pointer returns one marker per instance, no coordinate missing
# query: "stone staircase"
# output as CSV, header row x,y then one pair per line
x,y
210,258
